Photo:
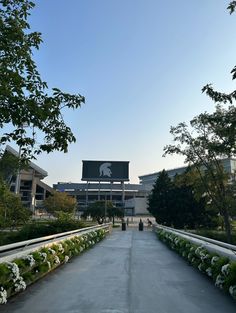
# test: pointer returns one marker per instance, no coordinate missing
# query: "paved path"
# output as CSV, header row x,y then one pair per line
x,y
129,272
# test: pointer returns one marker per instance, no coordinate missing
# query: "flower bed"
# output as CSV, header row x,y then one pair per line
x,y
15,276
219,268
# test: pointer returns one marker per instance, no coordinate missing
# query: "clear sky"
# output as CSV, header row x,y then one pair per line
x,y
141,65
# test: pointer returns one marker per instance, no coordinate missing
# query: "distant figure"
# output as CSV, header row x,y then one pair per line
x,y
140,225
127,221
149,222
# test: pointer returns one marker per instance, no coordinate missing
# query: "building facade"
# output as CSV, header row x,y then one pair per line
x,y
148,180
120,194
31,188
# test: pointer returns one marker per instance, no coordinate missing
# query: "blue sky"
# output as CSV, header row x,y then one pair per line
x,y
141,65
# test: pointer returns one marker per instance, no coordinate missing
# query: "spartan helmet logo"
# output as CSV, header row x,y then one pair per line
x,y
104,169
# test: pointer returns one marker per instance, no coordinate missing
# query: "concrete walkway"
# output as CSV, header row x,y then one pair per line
x,y
129,272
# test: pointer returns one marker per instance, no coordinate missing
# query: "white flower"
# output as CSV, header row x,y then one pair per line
x,y
19,284
204,256
176,241
44,256
30,259
209,271
200,267
232,291
219,281
225,269
51,251
3,296
66,259
49,265
214,260
60,248
198,250
56,259
15,272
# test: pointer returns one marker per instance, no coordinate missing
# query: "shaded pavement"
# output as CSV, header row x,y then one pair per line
x,y
128,272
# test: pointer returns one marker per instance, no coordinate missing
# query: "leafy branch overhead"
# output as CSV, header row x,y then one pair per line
x,y
221,97
232,7
24,96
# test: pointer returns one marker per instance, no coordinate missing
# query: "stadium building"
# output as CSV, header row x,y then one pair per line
x,y
106,180
148,180
31,188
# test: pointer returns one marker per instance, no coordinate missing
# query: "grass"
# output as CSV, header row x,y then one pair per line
x,y
216,234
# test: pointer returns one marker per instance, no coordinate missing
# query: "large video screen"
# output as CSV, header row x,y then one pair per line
x,y
105,170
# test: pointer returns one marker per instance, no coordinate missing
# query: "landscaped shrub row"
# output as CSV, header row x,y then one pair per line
x,y
15,276
40,228
219,268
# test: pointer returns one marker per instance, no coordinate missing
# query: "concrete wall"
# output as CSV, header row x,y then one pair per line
x,y
139,205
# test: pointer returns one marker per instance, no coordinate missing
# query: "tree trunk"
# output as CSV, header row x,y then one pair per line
x,y
227,226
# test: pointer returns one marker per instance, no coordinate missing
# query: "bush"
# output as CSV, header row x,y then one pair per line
x,y
40,229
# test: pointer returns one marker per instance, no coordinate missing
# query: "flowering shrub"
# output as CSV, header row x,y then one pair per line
x,y
3,296
16,275
220,269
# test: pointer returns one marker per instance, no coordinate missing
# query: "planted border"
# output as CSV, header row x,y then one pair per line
x,y
15,276
220,269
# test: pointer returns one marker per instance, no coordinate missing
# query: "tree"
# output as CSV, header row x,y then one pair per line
x,y
232,6
24,96
60,201
203,145
173,203
12,212
113,212
192,206
8,167
98,210
159,201
221,97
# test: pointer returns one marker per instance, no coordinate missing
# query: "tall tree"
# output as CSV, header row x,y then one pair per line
x,y
202,145
173,203
159,201
221,97
8,167
24,96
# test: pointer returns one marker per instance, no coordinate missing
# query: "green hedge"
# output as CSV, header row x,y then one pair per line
x,y
219,268
15,276
39,229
